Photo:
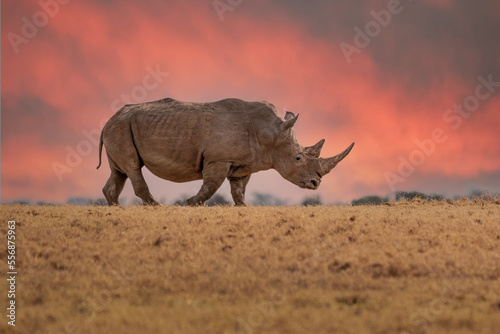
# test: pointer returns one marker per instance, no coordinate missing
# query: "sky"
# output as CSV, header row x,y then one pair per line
x,y
416,84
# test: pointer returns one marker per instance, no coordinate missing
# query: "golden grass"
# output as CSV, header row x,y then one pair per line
x,y
408,267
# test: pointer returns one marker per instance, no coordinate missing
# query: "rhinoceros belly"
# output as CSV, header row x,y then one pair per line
x,y
169,144
173,159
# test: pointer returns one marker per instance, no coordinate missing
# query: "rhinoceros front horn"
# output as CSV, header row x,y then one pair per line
x,y
326,165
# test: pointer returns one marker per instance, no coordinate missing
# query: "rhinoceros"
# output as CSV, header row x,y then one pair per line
x,y
184,141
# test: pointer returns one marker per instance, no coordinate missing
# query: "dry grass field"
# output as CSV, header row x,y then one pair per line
x,y
405,267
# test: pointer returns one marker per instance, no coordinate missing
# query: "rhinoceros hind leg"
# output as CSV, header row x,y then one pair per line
x,y
238,186
114,186
213,176
141,188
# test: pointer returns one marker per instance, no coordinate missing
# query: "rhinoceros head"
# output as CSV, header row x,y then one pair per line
x,y
302,165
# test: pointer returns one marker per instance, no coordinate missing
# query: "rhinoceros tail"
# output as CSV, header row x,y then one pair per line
x,y
100,150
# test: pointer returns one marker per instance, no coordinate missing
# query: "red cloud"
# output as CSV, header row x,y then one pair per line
x,y
91,58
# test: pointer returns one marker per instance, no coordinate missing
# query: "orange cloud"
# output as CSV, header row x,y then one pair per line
x,y
92,58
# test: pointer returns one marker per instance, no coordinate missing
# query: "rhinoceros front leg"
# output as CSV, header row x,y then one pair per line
x,y
213,176
238,186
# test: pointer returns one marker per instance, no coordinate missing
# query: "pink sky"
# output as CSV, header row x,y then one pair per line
x,y
67,67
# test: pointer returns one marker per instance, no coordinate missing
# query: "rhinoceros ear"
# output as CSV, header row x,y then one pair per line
x,y
289,115
288,123
315,150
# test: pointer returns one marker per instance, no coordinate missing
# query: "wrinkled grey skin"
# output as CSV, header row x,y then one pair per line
x,y
182,141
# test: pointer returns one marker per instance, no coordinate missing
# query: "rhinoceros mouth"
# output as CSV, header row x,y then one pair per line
x,y
312,184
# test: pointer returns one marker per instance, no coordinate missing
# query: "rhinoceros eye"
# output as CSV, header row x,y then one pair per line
x,y
297,158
